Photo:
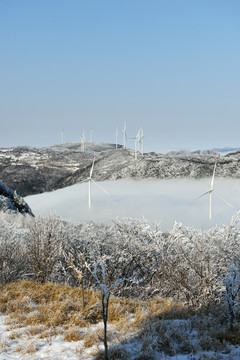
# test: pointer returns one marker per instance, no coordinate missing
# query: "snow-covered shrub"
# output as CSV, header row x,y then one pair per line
x,y
184,264
44,248
12,247
231,293
140,247
190,266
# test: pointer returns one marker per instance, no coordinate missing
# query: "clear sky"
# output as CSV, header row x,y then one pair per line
x,y
170,66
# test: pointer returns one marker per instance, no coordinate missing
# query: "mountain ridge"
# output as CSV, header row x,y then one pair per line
x,y
30,170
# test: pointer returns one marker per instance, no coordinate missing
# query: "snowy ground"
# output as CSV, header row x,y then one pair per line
x,y
163,201
34,348
52,348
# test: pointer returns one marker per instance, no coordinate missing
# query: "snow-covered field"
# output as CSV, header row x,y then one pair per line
x,y
163,201
10,349
52,348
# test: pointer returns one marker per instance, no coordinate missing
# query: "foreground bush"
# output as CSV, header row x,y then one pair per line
x,y
185,264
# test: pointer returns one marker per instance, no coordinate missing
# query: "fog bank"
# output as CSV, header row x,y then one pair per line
x,y
163,201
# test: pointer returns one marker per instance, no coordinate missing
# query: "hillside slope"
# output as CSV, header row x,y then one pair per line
x,y
35,170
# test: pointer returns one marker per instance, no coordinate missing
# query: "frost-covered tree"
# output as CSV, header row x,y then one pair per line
x,y
99,273
44,247
190,265
184,263
231,293
142,245
12,247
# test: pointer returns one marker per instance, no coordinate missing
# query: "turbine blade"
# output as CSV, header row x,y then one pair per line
x,y
100,187
207,192
223,199
83,181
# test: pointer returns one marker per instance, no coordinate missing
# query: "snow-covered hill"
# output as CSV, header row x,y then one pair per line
x,y
35,170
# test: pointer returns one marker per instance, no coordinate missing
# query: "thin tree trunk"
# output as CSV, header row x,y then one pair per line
x,y
105,342
82,262
105,318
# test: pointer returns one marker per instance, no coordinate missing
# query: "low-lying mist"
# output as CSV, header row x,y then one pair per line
x,y
163,201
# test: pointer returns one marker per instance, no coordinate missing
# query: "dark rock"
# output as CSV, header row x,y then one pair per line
x,y
11,201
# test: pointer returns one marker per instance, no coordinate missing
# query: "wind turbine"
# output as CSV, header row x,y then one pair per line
x,y
124,135
90,180
140,139
83,141
137,140
62,133
210,191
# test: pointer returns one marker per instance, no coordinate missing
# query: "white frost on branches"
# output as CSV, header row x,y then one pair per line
x,y
231,294
102,283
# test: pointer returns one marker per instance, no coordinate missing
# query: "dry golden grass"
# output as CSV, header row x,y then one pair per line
x,y
47,310
73,334
95,337
115,353
3,344
166,308
29,348
91,339
117,311
15,319
93,313
15,335
50,309
48,333
34,330
78,320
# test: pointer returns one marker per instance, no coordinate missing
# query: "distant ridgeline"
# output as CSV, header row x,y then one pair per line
x,y
37,170
11,201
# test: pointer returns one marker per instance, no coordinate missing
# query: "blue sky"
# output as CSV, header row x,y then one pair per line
x,y
170,66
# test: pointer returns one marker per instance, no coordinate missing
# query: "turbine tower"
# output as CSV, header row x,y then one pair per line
x,y
83,141
124,135
138,140
90,180
211,190
141,139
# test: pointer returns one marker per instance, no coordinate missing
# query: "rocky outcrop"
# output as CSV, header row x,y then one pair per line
x,y
11,201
